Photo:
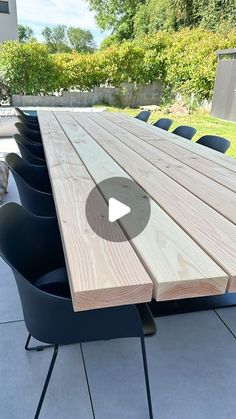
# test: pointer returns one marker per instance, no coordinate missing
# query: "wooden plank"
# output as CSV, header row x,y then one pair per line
x,y
178,266
101,273
207,153
148,134
214,233
207,167
218,197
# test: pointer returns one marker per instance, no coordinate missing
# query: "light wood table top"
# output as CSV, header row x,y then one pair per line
x,y
188,248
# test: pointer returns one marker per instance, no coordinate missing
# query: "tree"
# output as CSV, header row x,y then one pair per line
x,y
216,14
25,33
56,39
117,15
153,16
131,18
109,41
80,40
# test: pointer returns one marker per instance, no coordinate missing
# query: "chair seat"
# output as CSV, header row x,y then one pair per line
x,y
55,282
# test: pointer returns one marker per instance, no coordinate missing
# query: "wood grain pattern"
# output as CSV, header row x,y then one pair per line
x,y
214,233
178,266
164,142
212,193
101,273
198,149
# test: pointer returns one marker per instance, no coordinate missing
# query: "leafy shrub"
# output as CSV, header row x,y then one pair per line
x,y
124,63
185,61
27,69
79,71
191,60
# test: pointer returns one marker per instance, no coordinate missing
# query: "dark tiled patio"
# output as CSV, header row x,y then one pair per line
x,y
192,364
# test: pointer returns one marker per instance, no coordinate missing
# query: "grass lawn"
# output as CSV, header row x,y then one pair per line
x,y
201,120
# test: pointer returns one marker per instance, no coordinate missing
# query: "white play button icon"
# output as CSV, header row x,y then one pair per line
x,y
117,210
118,203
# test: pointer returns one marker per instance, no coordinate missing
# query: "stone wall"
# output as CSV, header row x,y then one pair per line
x,y
128,94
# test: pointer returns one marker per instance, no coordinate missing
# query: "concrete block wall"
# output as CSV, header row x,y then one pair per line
x,y
129,94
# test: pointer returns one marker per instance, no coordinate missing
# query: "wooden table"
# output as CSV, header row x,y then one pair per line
x,y
188,248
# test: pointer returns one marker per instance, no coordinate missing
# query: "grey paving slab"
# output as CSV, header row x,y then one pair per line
x,y
192,364
23,374
7,145
12,193
229,317
10,308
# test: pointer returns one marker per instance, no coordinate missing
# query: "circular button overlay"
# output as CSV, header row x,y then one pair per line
x,y
117,209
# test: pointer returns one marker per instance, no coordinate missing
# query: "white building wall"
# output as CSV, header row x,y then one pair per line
x,y
8,23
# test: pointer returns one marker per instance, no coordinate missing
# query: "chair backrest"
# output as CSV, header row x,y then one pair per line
x,y
143,116
215,142
30,243
32,134
34,148
163,123
29,157
20,112
185,131
28,123
31,246
26,116
36,176
36,201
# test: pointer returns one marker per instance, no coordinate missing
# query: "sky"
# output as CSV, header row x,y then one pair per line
x,y
40,13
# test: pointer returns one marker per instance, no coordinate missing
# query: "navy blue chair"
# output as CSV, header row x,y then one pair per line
x,y
26,117
163,123
33,185
35,148
48,317
185,131
31,134
29,124
215,142
143,116
29,157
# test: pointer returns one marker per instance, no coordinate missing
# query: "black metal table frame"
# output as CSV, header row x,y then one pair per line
x,y
165,308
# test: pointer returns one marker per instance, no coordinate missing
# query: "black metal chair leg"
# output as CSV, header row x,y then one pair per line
x,y
49,374
146,377
36,348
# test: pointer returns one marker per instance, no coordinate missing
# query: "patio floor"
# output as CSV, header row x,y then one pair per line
x,y
192,365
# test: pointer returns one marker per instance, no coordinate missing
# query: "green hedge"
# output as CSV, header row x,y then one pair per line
x,y
28,68
185,61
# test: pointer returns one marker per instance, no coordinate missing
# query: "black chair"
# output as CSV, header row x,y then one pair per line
x,y
29,157
163,123
33,186
34,175
185,131
29,124
143,116
35,148
215,142
27,117
31,134
50,318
